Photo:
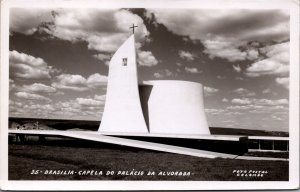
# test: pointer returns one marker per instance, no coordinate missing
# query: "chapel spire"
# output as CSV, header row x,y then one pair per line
x,y
133,26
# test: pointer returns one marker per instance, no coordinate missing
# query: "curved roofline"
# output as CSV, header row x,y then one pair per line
x,y
151,82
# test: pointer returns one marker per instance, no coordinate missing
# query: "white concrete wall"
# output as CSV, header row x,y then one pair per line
x,y
122,111
174,107
161,107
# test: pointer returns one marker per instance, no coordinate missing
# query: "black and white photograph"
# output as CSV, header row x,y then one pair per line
x,y
151,93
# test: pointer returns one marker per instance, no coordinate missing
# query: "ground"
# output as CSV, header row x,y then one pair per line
x,y
79,155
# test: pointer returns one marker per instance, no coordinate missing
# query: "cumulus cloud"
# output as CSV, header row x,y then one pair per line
x,y
46,107
103,57
284,81
186,55
263,107
244,92
33,110
146,58
89,102
100,97
192,70
89,108
27,21
276,118
276,63
224,32
237,68
214,111
78,108
259,103
16,57
241,101
96,80
224,100
164,73
271,102
31,96
158,75
266,67
241,24
28,67
245,107
266,91
18,104
82,104
103,30
79,83
168,73
210,90
38,88
28,72
12,84
71,82
226,49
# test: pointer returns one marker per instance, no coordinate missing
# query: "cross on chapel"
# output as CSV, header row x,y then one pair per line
x,y
133,26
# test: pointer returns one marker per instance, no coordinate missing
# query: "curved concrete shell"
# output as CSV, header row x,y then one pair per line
x,y
122,111
165,107
174,107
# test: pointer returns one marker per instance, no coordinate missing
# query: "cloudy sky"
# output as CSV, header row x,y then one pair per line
x,y
59,60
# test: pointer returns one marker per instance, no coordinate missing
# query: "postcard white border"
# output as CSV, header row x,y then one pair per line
x,y
293,183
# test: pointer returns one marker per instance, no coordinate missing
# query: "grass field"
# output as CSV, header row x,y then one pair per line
x,y
79,155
